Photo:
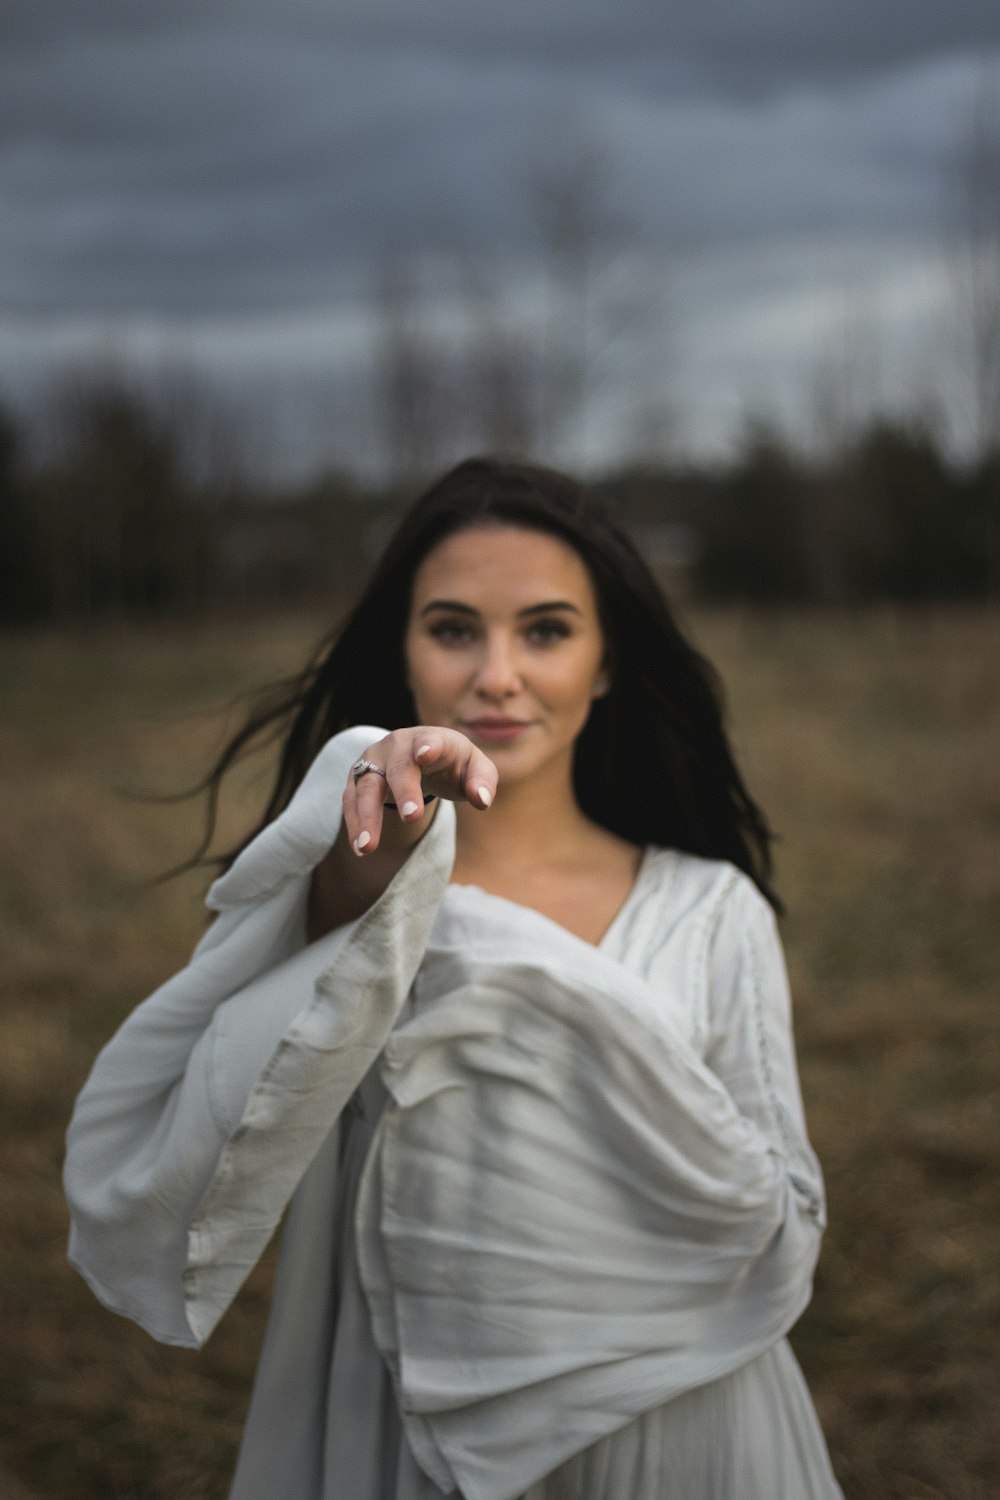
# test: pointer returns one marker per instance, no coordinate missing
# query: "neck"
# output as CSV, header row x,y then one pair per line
x,y
532,820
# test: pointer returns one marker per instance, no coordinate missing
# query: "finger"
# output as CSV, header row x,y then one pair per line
x,y
481,779
348,803
428,750
406,791
369,795
454,767
442,757
404,772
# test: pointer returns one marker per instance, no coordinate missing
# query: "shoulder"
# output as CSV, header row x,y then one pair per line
x,y
714,889
690,928
712,899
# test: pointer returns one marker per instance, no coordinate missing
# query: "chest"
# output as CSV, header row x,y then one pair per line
x,y
584,901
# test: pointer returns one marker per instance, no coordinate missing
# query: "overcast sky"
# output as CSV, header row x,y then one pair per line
x,y
212,182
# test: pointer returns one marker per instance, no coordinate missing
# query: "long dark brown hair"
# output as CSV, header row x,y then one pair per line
x,y
653,762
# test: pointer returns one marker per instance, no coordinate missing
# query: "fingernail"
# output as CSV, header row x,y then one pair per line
x,y
408,808
423,749
485,796
361,841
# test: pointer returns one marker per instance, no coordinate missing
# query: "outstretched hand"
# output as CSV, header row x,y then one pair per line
x,y
419,762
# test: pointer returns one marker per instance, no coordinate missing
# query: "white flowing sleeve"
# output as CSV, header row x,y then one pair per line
x,y
572,1215
202,1113
751,1045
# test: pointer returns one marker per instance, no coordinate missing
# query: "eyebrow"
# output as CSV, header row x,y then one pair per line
x,y
532,609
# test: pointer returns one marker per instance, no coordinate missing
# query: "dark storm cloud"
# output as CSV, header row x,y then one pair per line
x,y
763,43
225,166
242,168
219,155
752,48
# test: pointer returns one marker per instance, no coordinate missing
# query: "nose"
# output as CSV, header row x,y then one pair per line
x,y
498,675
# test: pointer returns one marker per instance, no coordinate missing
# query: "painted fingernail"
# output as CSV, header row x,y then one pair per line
x,y
423,750
361,841
485,796
408,808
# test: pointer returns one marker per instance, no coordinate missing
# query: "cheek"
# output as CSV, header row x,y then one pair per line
x,y
432,676
571,684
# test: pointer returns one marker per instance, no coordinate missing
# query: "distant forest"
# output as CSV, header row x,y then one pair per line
x,y
121,500
129,517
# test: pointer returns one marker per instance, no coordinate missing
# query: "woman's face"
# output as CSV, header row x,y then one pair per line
x,y
504,644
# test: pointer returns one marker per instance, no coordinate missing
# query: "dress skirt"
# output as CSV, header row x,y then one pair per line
x,y
752,1435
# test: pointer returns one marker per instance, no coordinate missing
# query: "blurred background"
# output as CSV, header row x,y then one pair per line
x,y
264,270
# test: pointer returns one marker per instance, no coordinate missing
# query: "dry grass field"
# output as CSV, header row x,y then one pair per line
x,y
874,742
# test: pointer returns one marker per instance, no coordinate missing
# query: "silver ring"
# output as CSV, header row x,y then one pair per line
x,y
361,766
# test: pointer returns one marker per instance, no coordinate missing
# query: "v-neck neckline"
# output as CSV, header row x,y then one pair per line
x,y
619,918
624,911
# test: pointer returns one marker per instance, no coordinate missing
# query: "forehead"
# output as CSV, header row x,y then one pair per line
x,y
503,564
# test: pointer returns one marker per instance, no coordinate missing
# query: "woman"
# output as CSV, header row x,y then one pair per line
x,y
494,997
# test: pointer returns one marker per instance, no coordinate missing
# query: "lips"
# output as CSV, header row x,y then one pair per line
x,y
496,729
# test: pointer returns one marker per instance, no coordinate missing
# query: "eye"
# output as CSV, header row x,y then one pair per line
x,y
452,632
548,632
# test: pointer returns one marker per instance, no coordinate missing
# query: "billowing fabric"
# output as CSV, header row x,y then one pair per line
x,y
554,1206
204,1110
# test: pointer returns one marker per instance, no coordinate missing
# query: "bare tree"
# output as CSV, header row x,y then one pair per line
x,y
124,520
975,199
410,404
499,383
649,387
975,196
597,307
214,437
845,392
847,376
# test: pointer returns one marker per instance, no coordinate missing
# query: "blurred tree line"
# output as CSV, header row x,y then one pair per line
x,y
137,501
125,517
887,517
136,506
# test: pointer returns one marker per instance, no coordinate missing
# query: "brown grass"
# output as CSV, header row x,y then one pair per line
x,y
872,740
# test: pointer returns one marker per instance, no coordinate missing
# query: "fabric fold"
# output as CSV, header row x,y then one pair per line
x,y
204,1110
564,1220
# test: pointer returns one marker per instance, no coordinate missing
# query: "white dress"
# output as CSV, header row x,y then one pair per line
x,y
554,1206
